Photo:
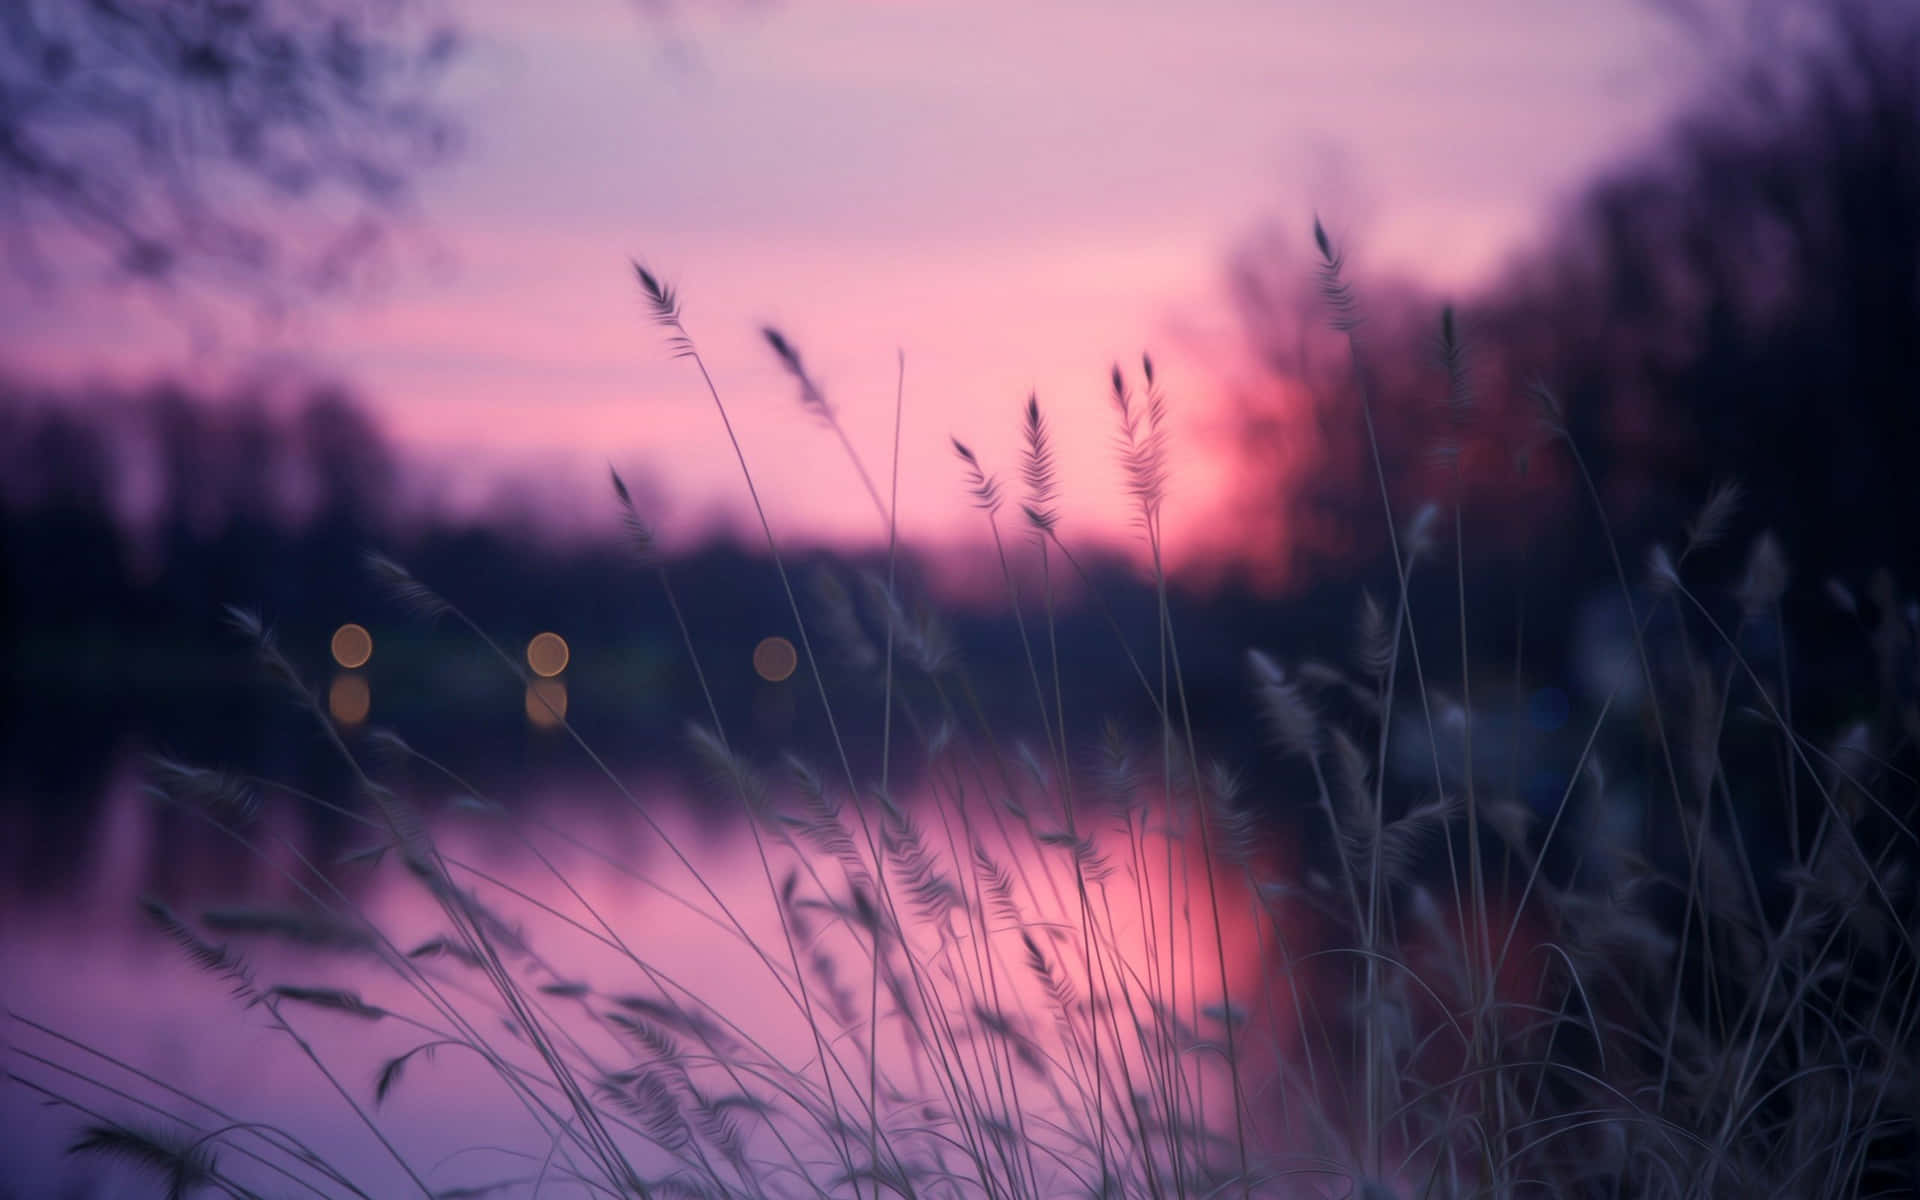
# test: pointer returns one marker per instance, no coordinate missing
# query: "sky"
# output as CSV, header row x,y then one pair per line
x,y
1010,197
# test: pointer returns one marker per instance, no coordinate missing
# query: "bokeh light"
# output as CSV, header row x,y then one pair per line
x,y
349,699
352,645
547,654
774,659
546,703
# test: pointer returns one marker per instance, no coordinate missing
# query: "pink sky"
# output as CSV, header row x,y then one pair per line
x,y
1014,195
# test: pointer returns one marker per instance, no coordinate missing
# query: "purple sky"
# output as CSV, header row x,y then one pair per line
x,y
1015,195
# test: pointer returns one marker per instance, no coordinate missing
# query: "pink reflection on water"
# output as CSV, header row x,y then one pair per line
x,y
642,935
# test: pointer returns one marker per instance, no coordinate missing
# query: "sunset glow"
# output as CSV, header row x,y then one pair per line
x,y
973,599
939,178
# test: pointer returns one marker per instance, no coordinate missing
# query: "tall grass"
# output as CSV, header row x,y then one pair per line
x,y
1053,959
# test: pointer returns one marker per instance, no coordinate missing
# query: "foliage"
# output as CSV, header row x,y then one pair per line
x,y
259,145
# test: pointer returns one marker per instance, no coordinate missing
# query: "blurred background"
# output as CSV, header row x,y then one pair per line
x,y
288,281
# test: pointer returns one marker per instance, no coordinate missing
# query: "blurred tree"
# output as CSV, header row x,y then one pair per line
x,y
258,146
1746,300
1742,299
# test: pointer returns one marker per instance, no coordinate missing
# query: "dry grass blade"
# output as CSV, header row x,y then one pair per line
x,y
1453,356
217,960
400,583
1117,767
1765,578
1709,525
1376,641
640,537
1417,542
185,1165
665,305
835,617
224,794
445,947
920,637
305,927
720,758
1402,838
933,894
648,1035
1354,771
391,1070
984,488
1236,829
1142,442
339,1000
1335,291
650,1099
811,397
1290,719
266,648
1038,471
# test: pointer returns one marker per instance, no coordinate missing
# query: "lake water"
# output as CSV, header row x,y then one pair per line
x,y
707,981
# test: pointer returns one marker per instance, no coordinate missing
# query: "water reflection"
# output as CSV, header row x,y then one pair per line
x,y
546,703
767,972
349,698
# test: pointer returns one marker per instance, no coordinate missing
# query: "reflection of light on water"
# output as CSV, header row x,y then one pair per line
x,y
774,659
546,702
547,654
352,646
611,867
546,698
349,699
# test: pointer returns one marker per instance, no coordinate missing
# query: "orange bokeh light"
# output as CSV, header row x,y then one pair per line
x,y
349,700
774,659
548,654
546,703
352,645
